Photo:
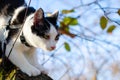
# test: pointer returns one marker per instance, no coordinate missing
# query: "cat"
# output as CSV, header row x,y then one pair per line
x,y
38,32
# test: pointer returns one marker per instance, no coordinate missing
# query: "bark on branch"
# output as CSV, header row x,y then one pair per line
x,y
8,71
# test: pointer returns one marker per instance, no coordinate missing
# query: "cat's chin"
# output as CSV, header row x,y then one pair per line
x,y
47,50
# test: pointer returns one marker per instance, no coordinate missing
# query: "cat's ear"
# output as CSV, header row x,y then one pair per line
x,y
39,16
54,15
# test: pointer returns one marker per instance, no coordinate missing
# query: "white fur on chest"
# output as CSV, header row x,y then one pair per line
x,y
24,57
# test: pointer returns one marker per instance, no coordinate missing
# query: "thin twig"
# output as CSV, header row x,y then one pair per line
x,y
106,14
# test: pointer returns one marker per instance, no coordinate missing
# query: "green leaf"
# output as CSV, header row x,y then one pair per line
x,y
118,12
103,22
65,27
62,24
111,28
70,21
67,11
67,46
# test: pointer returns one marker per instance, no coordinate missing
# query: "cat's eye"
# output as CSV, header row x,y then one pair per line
x,y
57,37
46,36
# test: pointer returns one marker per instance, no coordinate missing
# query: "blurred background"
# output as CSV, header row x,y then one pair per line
x,y
89,47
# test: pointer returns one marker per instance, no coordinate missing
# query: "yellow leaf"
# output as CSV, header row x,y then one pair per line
x,y
67,11
103,22
111,28
118,12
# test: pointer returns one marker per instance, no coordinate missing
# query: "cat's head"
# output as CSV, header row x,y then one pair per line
x,y
41,31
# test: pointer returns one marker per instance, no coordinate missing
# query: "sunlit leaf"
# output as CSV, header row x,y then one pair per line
x,y
118,11
67,11
103,22
67,29
64,29
111,28
70,21
62,24
67,46
11,75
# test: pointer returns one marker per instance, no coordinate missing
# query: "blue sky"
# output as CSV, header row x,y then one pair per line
x,y
52,5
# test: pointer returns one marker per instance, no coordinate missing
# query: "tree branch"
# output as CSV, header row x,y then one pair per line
x,y
8,71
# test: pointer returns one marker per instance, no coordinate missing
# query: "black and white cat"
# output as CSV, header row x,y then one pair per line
x,y
38,32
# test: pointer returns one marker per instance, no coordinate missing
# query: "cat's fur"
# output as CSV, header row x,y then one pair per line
x,y
38,32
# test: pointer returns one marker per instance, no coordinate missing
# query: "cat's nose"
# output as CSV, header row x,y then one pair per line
x,y
52,47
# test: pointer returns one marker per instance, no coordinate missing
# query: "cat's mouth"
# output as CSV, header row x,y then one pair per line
x,y
51,48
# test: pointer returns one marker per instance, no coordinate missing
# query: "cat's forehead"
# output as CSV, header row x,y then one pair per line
x,y
52,21
46,28
53,29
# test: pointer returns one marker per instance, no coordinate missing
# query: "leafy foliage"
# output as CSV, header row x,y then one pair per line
x,y
65,26
67,46
111,28
67,11
103,22
70,21
118,12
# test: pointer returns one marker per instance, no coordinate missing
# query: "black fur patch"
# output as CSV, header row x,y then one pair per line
x,y
7,7
0,49
11,33
53,21
41,29
21,15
